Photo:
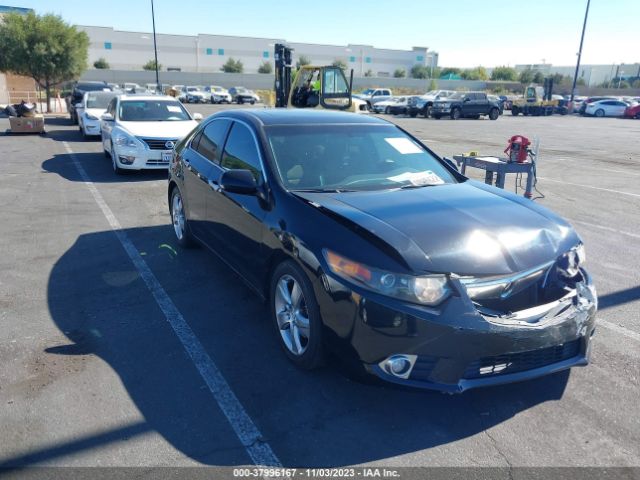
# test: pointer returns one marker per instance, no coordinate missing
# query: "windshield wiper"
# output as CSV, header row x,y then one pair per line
x,y
323,190
411,185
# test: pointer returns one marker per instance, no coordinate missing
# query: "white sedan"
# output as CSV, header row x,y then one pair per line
x,y
139,132
606,108
89,111
218,94
383,106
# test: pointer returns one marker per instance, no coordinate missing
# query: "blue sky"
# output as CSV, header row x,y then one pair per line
x,y
466,33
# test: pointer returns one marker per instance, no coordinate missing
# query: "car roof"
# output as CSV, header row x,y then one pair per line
x,y
289,116
147,97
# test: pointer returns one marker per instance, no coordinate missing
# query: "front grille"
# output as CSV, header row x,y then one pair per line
x,y
423,367
522,361
157,162
159,144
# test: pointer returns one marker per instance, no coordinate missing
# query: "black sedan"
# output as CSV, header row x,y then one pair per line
x,y
366,244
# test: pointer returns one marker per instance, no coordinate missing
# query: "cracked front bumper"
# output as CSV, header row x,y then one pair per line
x,y
457,347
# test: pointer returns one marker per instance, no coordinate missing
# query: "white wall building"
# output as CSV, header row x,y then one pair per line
x,y
591,74
207,53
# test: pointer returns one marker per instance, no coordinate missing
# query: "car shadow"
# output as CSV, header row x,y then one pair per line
x,y
98,166
320,418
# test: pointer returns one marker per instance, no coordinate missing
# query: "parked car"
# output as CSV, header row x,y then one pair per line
x,y
129,87
633,111
606,108
195,94
218,94
243,95
374,95
92,107
78,92
139,132
498,100
401,107
367,245
383,107
588,100
422,105
466,105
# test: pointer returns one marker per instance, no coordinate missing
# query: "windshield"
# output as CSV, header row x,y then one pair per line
x,y
192,89
92,87
152,111
368,91
241,90
362,157
456,96
98,100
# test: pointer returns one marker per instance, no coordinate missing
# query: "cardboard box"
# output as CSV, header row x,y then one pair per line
x,y
33,124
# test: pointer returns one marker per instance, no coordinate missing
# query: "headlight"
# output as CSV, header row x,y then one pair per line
x,y
88,116
425,290
445,105
569,263
124,140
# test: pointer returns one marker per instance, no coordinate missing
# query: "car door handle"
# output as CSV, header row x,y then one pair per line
x,y
215,186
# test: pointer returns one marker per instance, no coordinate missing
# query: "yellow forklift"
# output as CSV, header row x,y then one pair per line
x,y
322,87
538,101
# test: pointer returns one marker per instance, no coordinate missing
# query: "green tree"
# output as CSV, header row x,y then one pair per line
x,y
232,66
368,73
101,64
504,73
339,63
433,85
449,70
419,71
400,73
434,72
478,73
42,47
538,77
266,67
636,84
623,84
526,76
151,65
302,61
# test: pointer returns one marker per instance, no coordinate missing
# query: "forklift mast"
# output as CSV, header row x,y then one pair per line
x,y
282,56
548,88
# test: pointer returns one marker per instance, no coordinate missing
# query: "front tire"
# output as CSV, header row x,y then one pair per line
x,y
387,111
494,113
179,220
599,113
437,116
296,316
515,111
456,113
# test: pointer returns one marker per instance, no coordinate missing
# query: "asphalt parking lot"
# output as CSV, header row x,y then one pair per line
x,y
93,374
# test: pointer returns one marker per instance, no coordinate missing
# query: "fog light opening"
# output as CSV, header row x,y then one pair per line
x,y
126,159
399,366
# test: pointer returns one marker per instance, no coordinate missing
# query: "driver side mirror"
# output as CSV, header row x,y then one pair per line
x,y
106,117
466,99
197,117
78,105
238,181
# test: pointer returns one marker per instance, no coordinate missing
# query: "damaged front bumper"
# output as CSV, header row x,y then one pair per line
x,y
460,345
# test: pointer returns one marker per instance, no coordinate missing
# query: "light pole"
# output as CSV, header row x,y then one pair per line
x,y
575,76
155,47
620,78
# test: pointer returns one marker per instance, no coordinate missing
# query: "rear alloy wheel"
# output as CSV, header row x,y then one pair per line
x,y
599,113
179,220
296,316
494,114
637,117
456,114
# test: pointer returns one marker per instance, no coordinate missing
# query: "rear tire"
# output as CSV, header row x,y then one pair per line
x,y
515,111
179,220
637,117
295,314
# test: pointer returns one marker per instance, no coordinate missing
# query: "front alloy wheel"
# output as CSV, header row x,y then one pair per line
x,y
455,114
179,220
296,315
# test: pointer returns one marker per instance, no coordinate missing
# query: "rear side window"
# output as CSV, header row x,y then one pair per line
x,y
241,152
481,96
210,143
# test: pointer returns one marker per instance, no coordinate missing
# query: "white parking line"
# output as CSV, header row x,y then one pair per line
x,y
608,229
248,434
590,186
618,329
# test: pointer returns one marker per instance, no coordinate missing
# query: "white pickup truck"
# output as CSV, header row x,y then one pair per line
x,y
374,95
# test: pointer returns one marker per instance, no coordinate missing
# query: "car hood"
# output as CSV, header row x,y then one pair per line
x,y
96,112
468,228
171,129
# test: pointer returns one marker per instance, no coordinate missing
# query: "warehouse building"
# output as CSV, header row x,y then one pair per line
x,y
207,53
591,74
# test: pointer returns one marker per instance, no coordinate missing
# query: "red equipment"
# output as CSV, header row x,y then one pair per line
x,y
518,149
